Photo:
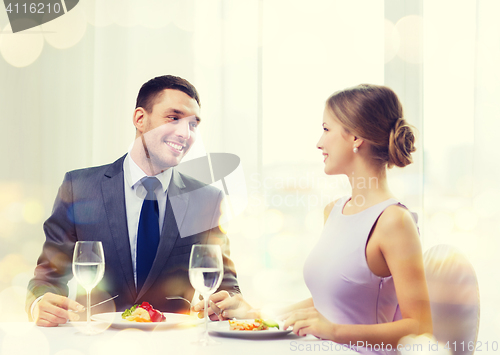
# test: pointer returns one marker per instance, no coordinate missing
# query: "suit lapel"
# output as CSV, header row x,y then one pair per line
x,y
175,211
114,202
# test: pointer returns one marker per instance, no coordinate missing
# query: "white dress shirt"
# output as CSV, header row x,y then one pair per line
x,y
134,197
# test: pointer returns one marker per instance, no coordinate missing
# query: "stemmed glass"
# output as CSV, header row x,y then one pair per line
x,y
205,275
88,269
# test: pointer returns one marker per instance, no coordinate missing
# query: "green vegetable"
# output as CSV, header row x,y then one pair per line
x,y
129,311
270,324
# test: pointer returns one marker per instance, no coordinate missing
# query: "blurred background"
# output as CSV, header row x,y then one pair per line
x,y
264,69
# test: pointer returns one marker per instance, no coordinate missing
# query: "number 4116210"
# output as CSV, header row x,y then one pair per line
x,y
34,8
478,346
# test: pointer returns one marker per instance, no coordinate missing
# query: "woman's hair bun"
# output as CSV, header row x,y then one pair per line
x,y
371,112
401,144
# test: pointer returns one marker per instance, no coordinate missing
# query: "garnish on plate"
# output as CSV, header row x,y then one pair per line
x,y
253,325
143,313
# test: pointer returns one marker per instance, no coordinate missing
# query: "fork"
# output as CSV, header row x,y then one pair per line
x,y
216,309
179,298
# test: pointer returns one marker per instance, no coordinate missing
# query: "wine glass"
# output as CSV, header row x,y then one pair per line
x,y
88,269
205,275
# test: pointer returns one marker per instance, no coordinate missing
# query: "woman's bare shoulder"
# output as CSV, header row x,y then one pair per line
x,y
397,216
398,227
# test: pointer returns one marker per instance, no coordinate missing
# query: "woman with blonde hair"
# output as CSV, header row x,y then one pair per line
x,y
366,273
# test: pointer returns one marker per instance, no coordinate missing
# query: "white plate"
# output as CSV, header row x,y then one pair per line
x,y
222,329
115,320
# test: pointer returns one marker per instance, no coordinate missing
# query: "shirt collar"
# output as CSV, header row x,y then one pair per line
x,y
134,174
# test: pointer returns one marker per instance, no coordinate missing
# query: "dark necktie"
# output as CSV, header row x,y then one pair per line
x,y
148,233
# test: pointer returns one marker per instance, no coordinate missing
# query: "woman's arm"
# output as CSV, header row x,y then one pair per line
x,y
399,243
237,307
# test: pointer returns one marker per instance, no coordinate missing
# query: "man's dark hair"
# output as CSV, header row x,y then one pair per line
x,y
154,87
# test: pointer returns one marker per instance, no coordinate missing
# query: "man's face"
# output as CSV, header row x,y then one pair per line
x,y
169,130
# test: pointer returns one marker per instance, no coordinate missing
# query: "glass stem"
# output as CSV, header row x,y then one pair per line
x,y
205,299
88,310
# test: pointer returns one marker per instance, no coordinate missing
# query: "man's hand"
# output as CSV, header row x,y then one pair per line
x,y
53,310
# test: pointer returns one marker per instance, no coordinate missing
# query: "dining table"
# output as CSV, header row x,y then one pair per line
x,y
26,338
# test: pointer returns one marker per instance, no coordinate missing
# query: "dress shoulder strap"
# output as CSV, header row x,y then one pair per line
x,y
413,214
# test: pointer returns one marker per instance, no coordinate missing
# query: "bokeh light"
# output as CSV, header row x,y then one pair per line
x,y
14,212
251,227
30,250
158,13
264,281
314,220
10,266
21,279
98,12
127,13
121,344
66,31
247,263
23,339
284,247
7,227
10,192
410,29
33,212
97,327
23,48
12,303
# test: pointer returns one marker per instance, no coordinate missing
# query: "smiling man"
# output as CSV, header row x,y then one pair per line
x,y
136,207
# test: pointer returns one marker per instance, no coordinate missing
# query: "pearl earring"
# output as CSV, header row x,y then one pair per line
x,y
355,150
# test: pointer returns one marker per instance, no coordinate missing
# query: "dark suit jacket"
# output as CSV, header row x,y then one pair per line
x,y
90,205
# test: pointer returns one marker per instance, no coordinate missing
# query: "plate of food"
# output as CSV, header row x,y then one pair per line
x,y
144,317
248,329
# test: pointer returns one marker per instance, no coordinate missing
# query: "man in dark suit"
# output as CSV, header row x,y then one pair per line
x,y
107,204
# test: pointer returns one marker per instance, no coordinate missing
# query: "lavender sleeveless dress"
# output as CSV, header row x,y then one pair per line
x,y
343,288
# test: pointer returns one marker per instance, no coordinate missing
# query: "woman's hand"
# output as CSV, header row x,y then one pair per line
x,y
230,307
237,307
310,321
216,297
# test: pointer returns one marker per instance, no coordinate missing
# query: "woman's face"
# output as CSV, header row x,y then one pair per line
x,y
336,145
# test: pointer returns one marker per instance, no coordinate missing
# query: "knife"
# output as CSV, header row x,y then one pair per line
x,y
214,307
97,304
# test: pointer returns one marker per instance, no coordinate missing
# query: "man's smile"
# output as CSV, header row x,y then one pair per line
x,y
176,146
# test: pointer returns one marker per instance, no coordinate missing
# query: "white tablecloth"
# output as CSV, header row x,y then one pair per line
x,y
28,339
